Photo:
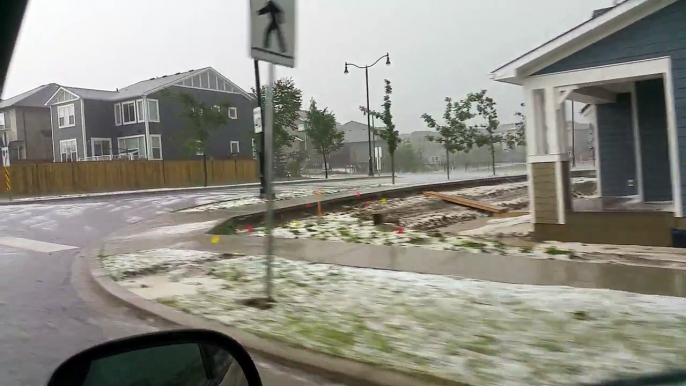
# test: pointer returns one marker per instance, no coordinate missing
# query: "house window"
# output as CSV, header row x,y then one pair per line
x,y
101,146
133,146
233,113
156,145
65,116
117,114
254,149
235,148
128,112
200,150
153,110
2,121
68,150
140,109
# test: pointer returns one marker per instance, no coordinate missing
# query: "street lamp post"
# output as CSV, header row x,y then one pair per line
x,y
369,126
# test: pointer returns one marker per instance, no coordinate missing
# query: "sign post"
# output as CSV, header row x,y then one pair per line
x,y
6,166
272,39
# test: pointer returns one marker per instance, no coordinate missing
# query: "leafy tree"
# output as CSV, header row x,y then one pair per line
x,y
287,104
454,135
409,159
387,133
518,138
322,132
201,120
485,134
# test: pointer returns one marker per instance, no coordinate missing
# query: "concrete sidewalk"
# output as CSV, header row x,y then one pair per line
x,y
188,231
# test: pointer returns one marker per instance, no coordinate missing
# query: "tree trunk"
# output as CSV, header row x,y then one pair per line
x,y
493,158
393,168
204,165
447,162
326,167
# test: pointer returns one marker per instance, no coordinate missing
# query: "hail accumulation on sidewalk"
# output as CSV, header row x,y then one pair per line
x,y
476,332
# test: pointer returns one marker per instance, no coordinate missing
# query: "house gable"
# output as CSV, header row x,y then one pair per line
x,y
578,38
210,79
660,34
61,95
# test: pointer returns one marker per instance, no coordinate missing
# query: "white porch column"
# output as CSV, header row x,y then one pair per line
x,y
547,155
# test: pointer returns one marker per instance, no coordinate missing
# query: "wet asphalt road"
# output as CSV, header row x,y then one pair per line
x,y
48,314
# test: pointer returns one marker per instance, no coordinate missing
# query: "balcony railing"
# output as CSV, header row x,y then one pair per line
x,y
115,157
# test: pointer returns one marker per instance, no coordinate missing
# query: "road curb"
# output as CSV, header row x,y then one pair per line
x,y
94,196
338,369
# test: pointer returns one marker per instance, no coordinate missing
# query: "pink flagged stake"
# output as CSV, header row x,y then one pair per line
x,y
358,195
249,228
399,230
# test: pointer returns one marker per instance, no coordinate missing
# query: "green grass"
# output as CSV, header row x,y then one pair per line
x,y
416,240
473,244
526,250
555,251
225,228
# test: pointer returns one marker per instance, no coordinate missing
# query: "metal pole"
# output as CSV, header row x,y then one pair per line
x,y
376,157
260,136
369,126
573,137
269,169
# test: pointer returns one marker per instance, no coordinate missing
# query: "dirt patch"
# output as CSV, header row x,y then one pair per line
x,y
427,213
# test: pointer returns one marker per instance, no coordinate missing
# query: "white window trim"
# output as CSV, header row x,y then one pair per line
x,y
118,118
157,109
134,136
123,120
200,152
66,118
235,113
93,140
238,147
151,147
140,114
76,148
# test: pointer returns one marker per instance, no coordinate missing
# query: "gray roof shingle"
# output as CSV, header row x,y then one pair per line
x,y
134,90
32,98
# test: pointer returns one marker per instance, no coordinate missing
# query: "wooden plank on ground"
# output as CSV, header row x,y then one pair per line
x,y
467,202
510,214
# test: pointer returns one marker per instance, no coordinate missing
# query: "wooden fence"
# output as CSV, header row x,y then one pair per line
x,y
108,176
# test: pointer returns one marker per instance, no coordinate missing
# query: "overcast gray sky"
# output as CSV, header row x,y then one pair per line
x,y
438,48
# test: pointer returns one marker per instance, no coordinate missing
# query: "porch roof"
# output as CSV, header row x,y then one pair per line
x,y
576,39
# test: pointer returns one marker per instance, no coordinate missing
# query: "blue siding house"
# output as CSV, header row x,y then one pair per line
x,y
628,63
141,121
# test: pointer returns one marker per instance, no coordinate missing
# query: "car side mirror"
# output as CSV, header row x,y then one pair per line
x,y
168,358
676,378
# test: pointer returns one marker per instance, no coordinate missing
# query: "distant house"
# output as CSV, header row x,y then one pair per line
x,y
355,152
141,121
25,124
629,63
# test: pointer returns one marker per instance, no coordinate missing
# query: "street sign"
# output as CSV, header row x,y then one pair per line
x,y
272,31
257,119
5,156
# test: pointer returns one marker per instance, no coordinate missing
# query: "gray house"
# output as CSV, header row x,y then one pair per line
x,y
355,151
629,63
25,124
141,121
